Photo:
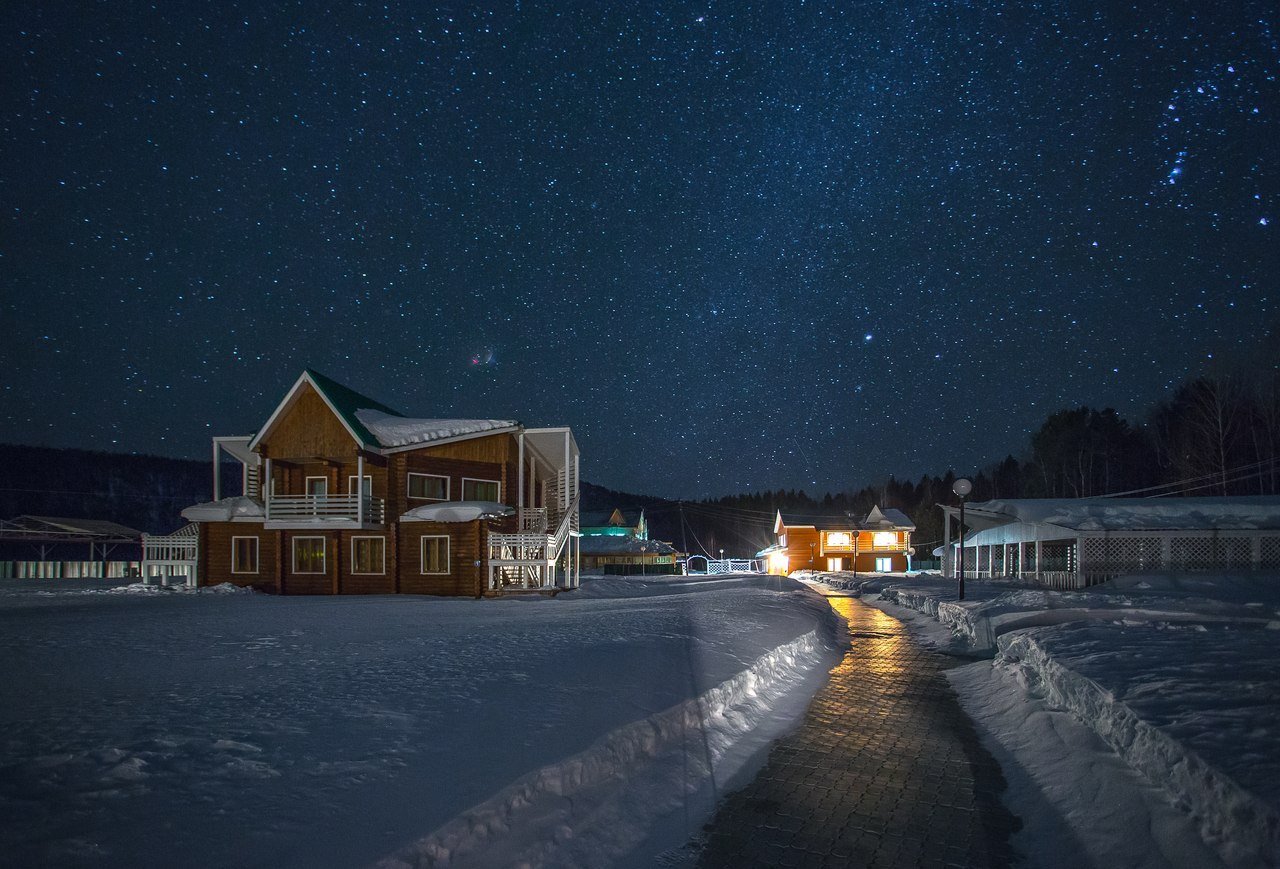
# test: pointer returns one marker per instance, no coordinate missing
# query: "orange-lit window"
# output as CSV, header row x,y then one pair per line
x,y
885,539
838,538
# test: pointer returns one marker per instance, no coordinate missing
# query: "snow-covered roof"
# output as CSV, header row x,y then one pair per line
x,y
1131,514
226,510
400,431
607,545
458,511
888,518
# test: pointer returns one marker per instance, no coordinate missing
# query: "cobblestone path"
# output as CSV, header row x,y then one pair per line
x,y
886,770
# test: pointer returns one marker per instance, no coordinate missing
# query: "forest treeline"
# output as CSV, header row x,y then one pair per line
x,y
1213,436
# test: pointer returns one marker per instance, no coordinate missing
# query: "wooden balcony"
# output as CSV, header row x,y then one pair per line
x,y
328,511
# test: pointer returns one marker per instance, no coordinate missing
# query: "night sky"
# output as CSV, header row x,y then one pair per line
x,y
734,246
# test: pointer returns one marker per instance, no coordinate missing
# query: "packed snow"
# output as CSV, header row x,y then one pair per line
x,y
1174,676
171,727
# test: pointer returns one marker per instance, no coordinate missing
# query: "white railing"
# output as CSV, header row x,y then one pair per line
x,y
181,545
534,519
167,558
526,559
324,507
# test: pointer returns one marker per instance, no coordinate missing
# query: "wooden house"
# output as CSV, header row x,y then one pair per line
x,y
343,495
879,542
617,542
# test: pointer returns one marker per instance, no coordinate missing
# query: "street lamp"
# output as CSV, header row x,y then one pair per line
x,y
962,487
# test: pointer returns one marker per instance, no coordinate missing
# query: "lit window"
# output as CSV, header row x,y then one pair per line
x,y
838,538
308,554
244,554
885,539
435,554
480,490
368,555
428,487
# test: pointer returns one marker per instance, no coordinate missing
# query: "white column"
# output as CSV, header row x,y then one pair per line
x,y
360,488
946,546
217,473
565,499
520,496
1039,556
268,486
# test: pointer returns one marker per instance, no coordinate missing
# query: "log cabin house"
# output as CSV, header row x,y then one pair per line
x,y
880,542
343,495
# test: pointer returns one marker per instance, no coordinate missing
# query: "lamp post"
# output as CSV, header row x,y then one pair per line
x,y
962,487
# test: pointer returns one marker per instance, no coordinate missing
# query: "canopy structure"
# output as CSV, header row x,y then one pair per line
x,y
1073,543
53,529
53,539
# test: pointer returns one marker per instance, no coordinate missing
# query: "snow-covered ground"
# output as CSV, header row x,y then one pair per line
x,y
149,727
1177,680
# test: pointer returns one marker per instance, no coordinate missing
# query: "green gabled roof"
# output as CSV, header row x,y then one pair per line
x,y
346,401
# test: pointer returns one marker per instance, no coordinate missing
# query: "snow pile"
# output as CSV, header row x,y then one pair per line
x,y
1192,707
400,431
458,511
225,510
289,723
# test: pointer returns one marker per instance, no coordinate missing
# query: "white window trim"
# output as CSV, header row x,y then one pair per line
x,y
293,563
444,477
422,554
257,547
888,564
382,569
466,480
351,478
306,485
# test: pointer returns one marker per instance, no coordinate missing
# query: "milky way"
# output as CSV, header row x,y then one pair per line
x,y
735,246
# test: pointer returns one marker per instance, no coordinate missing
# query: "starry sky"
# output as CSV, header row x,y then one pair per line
x,y
734,245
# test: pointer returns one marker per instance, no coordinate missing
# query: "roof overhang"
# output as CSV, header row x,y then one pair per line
x,y
509,429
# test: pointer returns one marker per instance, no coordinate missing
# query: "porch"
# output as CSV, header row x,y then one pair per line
x,y
545,540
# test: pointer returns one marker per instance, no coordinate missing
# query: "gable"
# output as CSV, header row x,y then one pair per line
x,y
306,427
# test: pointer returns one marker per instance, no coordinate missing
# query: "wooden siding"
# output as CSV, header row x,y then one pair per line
x,y
215,555
308,428
803,546
464,577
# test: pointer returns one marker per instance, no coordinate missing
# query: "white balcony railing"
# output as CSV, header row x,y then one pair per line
x,y
324,508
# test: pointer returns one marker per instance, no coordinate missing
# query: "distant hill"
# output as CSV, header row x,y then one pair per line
x,y
143,492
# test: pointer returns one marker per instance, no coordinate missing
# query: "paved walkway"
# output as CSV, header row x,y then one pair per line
x,y
886,770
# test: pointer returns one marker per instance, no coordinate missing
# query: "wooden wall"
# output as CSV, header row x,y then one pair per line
x,y
466,541
308,428
215,555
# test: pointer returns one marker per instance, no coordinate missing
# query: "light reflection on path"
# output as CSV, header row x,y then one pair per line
x,y
886,770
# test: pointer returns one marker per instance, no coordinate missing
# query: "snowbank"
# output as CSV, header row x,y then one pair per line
x,y
1192,708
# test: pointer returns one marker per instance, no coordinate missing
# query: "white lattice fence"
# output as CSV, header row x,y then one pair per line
x,y
1270,553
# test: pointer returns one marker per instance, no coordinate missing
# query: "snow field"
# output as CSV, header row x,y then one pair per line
x,y
148,726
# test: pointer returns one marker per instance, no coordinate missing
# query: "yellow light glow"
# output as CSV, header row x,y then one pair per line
x,y
884,539
778,562
838,538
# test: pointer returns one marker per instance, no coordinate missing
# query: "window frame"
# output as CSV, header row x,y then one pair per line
x,y
324,555
408,487
257,549
422,555
306,486
884,540
887,561
382,568
466,480
351,478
